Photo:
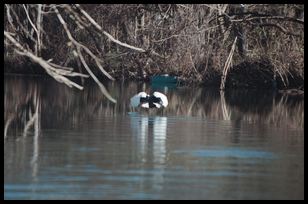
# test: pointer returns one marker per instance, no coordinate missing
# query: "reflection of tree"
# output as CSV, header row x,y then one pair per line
x,y
251,101
22,102
22,107
34,118
226,114
288,110
193,101
57,106
266,107
7,123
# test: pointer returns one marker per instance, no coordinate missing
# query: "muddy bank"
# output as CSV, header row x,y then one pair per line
x,y
262,74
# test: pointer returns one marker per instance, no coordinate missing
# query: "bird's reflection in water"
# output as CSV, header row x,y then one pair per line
x,y
150,133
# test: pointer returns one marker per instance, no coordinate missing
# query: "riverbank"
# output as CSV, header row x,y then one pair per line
x,y
226,46
246,75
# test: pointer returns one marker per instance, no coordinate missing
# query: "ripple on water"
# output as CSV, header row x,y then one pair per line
x,y
229,152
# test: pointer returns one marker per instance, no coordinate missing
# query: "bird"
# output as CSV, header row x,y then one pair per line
x,y
144,100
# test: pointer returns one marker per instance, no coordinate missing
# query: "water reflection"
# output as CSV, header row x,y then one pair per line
x,y
60,105
23,111
151,132
62,143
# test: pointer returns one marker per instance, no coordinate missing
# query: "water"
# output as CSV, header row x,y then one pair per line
x,y
205,145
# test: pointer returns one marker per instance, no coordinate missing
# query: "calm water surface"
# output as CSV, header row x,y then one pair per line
x,y
205,145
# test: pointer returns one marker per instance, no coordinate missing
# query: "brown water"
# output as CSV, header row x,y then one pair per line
x,y
205,145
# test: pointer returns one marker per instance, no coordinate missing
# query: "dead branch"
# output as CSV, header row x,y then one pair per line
x,y
35,28
227,66
255,15
285,31
101,86
52,71
199,77
19,24
93,22
79,46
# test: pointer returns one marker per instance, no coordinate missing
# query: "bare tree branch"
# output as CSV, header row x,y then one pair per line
x,y
101,86
279,27
78,48
77,44
105,33
255,15
55,73
227,65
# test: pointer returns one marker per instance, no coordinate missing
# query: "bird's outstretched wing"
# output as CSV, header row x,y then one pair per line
x,y
163,98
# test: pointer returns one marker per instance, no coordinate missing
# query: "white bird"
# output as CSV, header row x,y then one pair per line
x,y
156,100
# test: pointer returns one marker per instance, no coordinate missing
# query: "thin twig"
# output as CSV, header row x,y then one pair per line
x,y
105,33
